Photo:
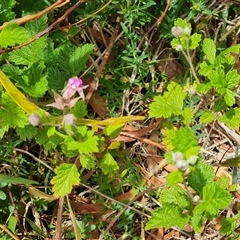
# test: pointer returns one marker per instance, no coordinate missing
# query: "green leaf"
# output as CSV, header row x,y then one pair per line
x,y
231,162
12,223
11,115
15,180
231,118
209,49
200,175
88,161
27,132
207,117
174,178
176,195
229,97
66,177
214,198
168,216
6,13
108,165
88,144
182,23
197,222
219,105
170,103
113,130
194,40
80,109
56,78
2,195
11,35
205,69
204,87
182,140
187,114
232,78
228,226
71,59
29,54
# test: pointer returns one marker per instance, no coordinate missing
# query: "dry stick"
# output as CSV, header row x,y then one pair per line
x,y
25,19
35,158
120,213
155,24
94,84
5,229
116,201
47,29
58,235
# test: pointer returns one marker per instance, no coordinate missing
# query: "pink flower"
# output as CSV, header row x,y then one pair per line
x,y
75,84
62,102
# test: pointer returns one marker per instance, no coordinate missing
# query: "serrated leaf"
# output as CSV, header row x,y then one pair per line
x,y
182,23
168,104
228,226
56,78
194,40
29,54
80,109
27,132
205,69
214,198
231,118
174,178
187,115
207,117
200,175
6,13
175,195
182,140
88,161
229,97
209,49
197,222
11,115
108,165
11,35
66,177
232,78
168,216
219,105
204,87
88,144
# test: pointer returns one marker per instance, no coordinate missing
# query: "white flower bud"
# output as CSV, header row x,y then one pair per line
x,y
34,119
182,165
192,90
179,47
69,119
192,160
177,156
196,198
187,31
177,31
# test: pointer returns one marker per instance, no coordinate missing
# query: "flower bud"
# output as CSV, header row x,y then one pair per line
x,y
192,90
196,198
182,165
34,119
192,160
69,119
177,156
177,31
179,47
187,31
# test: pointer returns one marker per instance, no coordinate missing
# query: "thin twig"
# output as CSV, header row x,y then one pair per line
x,y
94,84
114,200
5,229
58,235
28,18
35,158
156,24
120,213
46,30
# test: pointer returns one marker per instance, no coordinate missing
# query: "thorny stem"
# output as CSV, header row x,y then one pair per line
x,y
59,219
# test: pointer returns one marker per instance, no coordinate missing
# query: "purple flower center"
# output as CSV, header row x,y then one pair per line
x,y
75,82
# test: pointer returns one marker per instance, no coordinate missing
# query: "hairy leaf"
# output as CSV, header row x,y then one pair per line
x,y
108,165
209,49
66,177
